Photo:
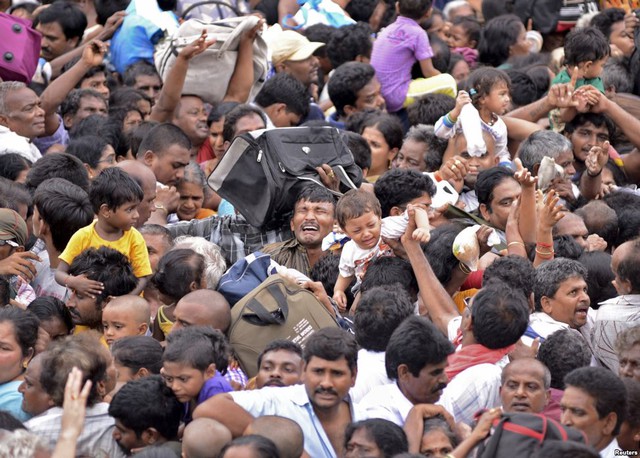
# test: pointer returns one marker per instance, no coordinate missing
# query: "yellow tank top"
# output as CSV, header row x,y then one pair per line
x,y
164,322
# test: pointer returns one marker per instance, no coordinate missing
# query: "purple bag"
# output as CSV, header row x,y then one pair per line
x,y
19,49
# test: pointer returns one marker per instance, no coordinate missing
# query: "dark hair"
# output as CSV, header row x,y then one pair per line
x,y
332,344
585,44
345,83
5,290
359,148
88,149
500,316
599,276
354,204
156,229
220,110
633,401
414,9
428,109
314,193
108,128
25,327
565,246
626,205
16,194
108,266
597,119
562,352
607,390
263,447
523,89
137,352
47,308
320,33
326,270
604,20
232,117
551,274
488,180
600,219
147,403
114,187
438,423
483,79
439,253
629,267
106,8
280,344
12,165
398,187
65,207
356,119
359,10
514,271
135,136
390,271
349,42
177,269
470,25
72,20
89,73
71,103
9,423
416,343
128,97
161,137
435,146
60,165
65,354
389,126
199,347
389,437
140,68
380,311
498,35
441,54
284,88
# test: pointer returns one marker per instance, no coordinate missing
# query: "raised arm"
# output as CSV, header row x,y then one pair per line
x,y
242,77
591,179
56,92
441,307
173,84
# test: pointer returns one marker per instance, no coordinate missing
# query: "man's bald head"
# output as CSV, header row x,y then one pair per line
x,y
525,386
147,181
574,226
204,437
285,433
600,219
203,307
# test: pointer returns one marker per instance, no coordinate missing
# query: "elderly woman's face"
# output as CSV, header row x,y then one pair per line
x,y
435,444
191,199
11,358
362,445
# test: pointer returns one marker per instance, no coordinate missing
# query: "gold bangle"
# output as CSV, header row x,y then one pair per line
x,y
516,243
465,270
545,255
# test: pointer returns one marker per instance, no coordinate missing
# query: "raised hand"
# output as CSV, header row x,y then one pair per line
x,y
550,212
196,47
523,175
597,159
93,54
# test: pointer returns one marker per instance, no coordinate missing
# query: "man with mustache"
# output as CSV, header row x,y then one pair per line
x,y
279,364
525,386
320,405
416,358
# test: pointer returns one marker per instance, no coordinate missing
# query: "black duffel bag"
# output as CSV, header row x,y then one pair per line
x,y
263,171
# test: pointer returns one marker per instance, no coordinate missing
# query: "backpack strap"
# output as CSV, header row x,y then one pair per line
x,y
263,314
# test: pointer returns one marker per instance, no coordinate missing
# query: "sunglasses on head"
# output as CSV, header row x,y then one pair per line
x,y
9,242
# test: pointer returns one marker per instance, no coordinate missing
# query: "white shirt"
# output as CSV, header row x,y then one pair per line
x,y
613,317
293,402
371,373
10,142
472,390
387,402
610,450
96,438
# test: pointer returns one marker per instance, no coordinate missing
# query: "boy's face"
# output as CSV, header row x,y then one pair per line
x,y
125,216
586,136
184,380
364,230
119,322
458,37
594,69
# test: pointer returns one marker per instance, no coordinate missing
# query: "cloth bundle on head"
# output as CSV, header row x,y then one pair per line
x,y
12,227
289,45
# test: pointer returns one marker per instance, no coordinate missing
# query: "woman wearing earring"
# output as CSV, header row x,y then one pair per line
x,y
18,335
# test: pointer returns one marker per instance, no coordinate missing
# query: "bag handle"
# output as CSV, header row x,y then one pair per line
x,y
263,314
237,31
219,3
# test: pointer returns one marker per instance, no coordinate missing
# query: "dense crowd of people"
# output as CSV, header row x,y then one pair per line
x,y
479,281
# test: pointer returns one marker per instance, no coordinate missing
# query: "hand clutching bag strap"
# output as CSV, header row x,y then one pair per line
x,y
276,309
263,171
210,72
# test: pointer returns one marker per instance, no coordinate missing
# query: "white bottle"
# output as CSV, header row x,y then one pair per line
x,y
472,128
